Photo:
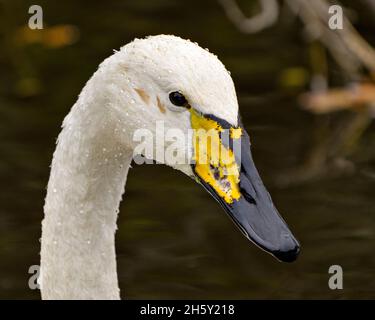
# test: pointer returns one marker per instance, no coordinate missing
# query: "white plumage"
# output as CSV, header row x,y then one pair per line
x,y
95,148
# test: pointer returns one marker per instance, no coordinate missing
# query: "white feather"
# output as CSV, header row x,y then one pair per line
x,y
95,148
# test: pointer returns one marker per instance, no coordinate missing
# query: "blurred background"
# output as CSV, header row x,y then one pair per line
x,y
306,95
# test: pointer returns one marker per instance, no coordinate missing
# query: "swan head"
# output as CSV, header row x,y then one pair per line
x,y
173,83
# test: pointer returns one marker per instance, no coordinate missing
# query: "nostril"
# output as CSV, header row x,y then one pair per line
x,y
246,189
248,196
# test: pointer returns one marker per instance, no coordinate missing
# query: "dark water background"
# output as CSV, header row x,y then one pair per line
x,y
174,241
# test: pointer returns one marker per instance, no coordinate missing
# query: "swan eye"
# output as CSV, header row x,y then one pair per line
x,y
178,99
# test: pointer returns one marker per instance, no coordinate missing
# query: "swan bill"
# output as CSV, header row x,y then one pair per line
x,y
223,165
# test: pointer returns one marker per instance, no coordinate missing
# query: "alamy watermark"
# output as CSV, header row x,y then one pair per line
x,y
174,146
36,20
336,19
336,280
34,280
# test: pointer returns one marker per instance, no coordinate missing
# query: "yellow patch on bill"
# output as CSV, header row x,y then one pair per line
x,y
235,133
215,164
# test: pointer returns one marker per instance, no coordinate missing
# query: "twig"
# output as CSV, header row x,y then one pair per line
x,y
352,97
347,46
267,17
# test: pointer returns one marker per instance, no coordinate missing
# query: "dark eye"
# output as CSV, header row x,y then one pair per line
x,y
178,99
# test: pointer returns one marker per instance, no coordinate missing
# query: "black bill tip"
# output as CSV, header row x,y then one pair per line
x,y
249,204
289,253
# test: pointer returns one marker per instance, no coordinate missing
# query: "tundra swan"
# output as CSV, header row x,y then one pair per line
x,y
157,79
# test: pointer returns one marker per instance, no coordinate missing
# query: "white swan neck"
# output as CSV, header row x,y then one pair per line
x,y
88,175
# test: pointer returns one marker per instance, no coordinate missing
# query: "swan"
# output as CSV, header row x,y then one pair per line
x,y
164,79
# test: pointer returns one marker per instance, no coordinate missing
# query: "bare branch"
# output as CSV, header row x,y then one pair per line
x,y
355,96
347,46
267,17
